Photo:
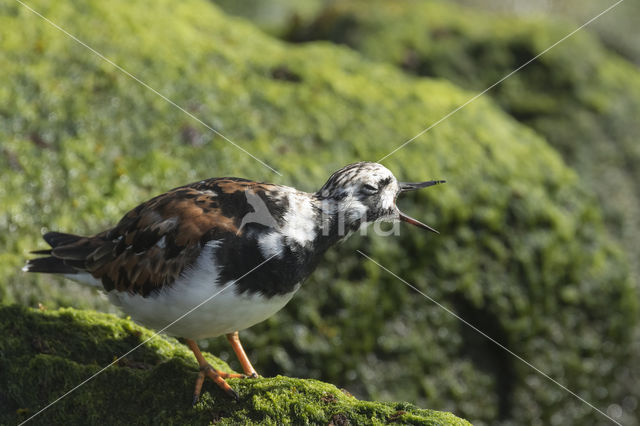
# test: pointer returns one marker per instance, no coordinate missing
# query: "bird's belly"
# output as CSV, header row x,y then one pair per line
x,y
195,317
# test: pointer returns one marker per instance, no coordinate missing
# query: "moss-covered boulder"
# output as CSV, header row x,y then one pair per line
x,y
584,99
523,253
45,354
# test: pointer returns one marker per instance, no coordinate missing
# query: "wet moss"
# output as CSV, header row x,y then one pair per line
x,y
44,354
522,239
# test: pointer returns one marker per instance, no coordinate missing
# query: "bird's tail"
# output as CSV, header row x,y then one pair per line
x,y
67,255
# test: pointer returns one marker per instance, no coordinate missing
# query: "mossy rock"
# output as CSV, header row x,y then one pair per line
x,y
45,354
584,99
523,253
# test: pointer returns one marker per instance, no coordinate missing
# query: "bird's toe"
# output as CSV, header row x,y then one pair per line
x,y
232,393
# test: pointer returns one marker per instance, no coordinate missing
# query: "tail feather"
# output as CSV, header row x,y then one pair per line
x,y
50,265
73,252
55,239
48,251
67,254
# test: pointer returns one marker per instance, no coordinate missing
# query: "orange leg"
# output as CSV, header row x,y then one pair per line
x,y
242,357
207,370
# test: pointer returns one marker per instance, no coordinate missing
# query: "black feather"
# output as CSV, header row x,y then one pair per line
x,y
73,252
48,251
60,239
50,265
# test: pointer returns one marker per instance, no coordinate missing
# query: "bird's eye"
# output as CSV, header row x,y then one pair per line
x,y
369,189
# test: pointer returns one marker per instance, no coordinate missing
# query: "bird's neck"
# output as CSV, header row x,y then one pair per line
x,y
334,222
312,224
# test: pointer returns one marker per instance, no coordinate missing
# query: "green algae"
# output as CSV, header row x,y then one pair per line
x,y
523,252
44,354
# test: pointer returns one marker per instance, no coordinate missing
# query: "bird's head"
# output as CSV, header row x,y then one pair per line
x,y
366,192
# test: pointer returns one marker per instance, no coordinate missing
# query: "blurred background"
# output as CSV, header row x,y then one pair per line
x,y
539,219
617,31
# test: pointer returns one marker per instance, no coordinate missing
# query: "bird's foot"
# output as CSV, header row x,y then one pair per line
x,y
218,377
248,369
249,372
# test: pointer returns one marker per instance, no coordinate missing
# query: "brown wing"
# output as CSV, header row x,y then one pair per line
x,y
156,241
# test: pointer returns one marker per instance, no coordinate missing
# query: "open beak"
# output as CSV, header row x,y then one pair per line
x,y
405,187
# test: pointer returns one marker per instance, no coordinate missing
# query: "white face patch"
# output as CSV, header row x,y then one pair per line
x,y
388,199
357,195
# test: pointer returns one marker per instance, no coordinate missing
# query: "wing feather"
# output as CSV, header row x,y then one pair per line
x,y
155,242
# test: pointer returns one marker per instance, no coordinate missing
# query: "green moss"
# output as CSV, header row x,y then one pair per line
x,y
44,354
523,253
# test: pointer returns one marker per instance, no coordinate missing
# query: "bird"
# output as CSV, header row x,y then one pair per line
x,y
244,247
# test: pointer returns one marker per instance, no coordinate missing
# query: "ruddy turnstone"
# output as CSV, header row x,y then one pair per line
x,y
258,239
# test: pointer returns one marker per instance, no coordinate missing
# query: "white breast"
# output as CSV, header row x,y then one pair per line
x,y
224,313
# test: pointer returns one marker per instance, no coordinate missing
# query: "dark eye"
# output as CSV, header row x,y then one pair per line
x,y
369,189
